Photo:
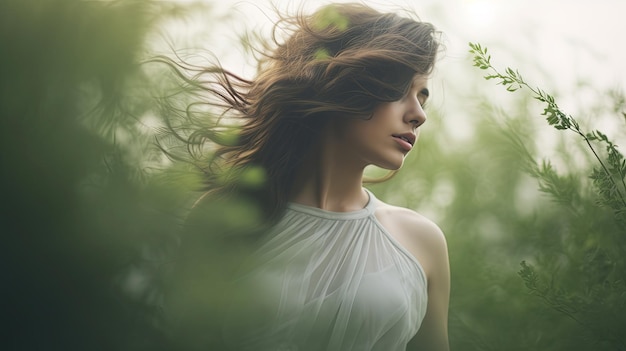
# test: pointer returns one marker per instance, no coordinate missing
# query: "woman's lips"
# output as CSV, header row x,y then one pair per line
x,y
403,143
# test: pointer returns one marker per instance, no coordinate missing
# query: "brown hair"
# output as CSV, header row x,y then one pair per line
x,y
339,62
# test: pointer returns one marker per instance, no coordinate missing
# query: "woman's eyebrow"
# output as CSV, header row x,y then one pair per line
x,y
425,92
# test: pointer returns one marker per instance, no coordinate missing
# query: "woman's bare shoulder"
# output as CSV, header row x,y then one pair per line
x,y
414,223
417,233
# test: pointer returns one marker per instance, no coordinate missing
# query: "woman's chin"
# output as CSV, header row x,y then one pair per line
x,y
392,165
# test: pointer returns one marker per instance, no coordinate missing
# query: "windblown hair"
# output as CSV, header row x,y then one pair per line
x,y
340,62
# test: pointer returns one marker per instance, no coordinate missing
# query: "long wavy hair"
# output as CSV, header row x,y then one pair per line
x,y
338,62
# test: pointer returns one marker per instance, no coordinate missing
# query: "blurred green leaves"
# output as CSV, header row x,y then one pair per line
x,y
582,277
330,18
75,217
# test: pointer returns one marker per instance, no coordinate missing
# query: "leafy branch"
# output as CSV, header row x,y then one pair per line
x,y
570,305
606,181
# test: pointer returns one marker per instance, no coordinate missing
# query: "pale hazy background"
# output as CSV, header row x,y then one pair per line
x,y
571,48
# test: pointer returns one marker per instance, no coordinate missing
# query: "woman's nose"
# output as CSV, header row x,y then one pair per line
x,y
415,114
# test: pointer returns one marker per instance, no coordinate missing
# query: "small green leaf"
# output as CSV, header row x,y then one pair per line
x,y
321,54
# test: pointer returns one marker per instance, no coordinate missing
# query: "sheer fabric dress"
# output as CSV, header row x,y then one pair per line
x,y
332,281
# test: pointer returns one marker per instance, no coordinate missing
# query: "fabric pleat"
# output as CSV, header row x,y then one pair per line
x,y
332,281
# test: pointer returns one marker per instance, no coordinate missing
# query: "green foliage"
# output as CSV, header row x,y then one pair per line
x,y
611,185
329,17
582,278
83,221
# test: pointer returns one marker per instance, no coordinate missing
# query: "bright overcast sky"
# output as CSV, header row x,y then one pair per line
x,y
567,40
555,44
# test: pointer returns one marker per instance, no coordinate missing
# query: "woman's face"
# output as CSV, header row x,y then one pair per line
x,y
388,136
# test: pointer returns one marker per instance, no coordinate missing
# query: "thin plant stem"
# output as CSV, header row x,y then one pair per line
x,y
513,81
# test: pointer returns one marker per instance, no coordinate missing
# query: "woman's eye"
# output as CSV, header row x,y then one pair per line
x,y
422,97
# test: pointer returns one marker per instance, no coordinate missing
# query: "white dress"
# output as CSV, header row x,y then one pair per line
x,y
335,281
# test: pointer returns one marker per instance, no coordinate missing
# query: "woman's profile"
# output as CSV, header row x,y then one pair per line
x,y
337,269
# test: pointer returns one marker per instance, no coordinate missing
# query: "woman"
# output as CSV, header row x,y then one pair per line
x,y
338,269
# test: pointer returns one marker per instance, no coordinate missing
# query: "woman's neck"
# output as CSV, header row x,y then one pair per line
x,y
330,180
320,189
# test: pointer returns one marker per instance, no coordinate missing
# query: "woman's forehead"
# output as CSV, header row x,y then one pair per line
x,y
420,81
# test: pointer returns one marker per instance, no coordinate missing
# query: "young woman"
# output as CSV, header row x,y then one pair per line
x,y
338,269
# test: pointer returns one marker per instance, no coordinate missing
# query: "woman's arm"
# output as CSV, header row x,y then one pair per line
x,y
433,255
423,238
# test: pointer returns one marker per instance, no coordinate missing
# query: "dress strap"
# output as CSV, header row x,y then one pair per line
x,y
372,203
